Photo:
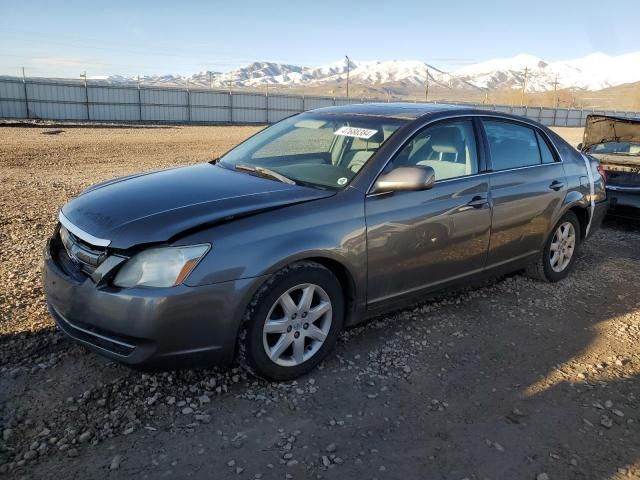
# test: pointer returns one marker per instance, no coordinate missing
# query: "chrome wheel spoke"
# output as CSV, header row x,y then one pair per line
x,y
298,350
281,345
276,326
315,333
554,246
307,298
318,311
288,305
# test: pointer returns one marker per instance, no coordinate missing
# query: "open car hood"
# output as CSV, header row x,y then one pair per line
x,y
605,129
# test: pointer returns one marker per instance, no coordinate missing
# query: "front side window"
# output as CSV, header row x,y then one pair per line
x,y
512,145
324,151
449,148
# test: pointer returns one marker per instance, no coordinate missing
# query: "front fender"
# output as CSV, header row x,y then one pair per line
x,y
330,228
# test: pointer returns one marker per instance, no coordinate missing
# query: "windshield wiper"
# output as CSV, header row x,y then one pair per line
x,y
264,172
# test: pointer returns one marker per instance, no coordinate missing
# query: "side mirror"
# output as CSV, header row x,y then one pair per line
x,y
405,179
579,147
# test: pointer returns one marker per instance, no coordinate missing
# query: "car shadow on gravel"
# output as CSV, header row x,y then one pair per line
x,y
517,379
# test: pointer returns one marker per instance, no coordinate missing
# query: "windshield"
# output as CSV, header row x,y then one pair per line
x,y
324,151
617,148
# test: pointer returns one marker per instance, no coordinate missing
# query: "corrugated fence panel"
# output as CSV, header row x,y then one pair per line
x,y
13,109
57,111
280,107
71,100
12,104
210,99
165,113
55,93
503,109
209,106
317,102
163,97
547,116
11,90
112,95
249,108
123,113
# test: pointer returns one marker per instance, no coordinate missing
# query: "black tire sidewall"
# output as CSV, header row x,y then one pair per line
x,y
255,355
549,272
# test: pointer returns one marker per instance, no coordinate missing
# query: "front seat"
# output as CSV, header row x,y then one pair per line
x,y
445,152
355,159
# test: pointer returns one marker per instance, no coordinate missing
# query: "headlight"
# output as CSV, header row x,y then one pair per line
x,y
160,267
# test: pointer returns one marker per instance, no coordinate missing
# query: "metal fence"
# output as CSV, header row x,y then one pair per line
x,y
55,99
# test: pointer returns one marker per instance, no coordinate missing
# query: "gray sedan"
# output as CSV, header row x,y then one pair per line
x,y
310,226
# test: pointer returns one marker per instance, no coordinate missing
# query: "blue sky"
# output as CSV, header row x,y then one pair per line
x,y
63,38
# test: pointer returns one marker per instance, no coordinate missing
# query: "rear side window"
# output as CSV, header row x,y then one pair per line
x,y
512,145
545,152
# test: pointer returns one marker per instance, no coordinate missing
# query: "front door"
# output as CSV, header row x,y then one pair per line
x,y
416,240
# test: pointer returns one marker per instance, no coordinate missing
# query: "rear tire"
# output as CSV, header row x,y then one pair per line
x,y
292,323
559,253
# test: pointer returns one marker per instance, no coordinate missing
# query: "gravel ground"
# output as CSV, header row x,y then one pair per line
x,y
507,380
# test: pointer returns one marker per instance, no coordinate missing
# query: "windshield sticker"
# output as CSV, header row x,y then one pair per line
x,y
355,132
342,181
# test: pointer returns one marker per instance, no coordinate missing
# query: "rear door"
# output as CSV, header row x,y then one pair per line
x,y
528,186
419,239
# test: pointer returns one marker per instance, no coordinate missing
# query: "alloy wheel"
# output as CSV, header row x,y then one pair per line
x,y
562,247
297,325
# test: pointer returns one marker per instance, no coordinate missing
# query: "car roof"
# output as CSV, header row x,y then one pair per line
x,y
407,111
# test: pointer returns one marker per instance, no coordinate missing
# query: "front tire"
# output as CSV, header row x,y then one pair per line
x,y
292,323
559,254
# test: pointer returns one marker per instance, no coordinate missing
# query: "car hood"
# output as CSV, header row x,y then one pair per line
x,y
159,206
605,129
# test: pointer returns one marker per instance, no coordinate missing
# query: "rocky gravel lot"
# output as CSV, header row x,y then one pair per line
x,y
512,379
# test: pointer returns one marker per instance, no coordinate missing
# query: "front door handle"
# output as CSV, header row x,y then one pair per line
x,y
556,185
478,201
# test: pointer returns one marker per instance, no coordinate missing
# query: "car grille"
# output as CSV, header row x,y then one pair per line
x,y
76,257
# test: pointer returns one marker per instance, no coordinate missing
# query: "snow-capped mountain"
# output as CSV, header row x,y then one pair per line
x,y
593,72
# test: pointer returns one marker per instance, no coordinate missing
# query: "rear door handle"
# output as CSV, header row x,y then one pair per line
x,y
556,185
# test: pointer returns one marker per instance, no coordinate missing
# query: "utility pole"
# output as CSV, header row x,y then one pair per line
x,y
524,85
210,81
26,97
83,75
348,68
426,87
555,92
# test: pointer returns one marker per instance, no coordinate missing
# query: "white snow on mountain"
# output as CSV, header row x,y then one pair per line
x,y
592,72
